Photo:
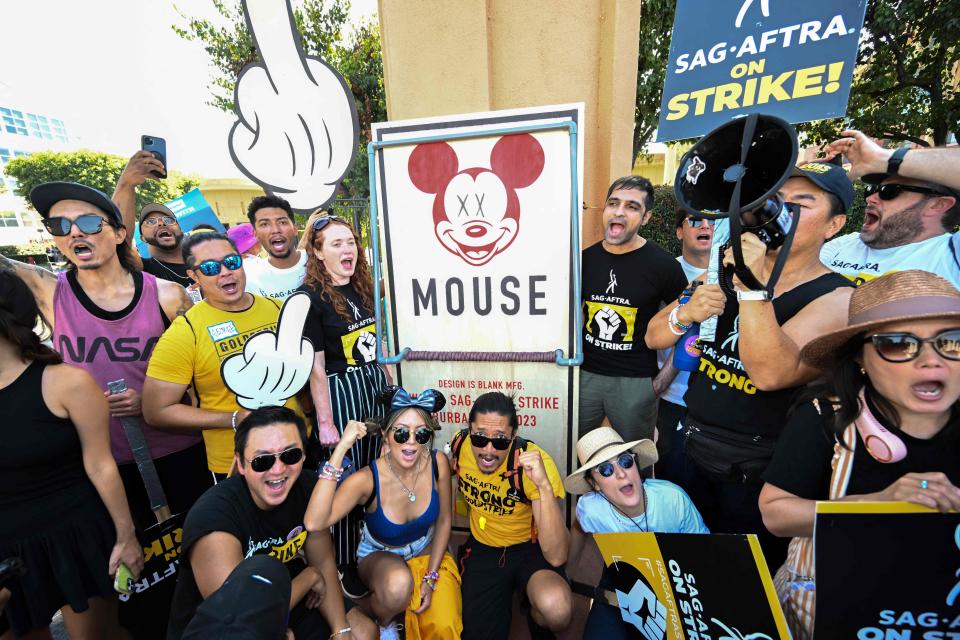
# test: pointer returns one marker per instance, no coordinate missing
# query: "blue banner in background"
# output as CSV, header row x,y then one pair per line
x,y
191,209
729,58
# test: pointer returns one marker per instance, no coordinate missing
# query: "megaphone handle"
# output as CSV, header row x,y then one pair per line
x,y
736,230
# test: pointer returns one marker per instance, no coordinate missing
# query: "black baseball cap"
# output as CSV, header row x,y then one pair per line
x,y
44,196
155,207
830,177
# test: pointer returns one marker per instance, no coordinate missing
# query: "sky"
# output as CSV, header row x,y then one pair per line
x,y
113,70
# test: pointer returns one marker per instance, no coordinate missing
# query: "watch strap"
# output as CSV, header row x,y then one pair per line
x,y
893,164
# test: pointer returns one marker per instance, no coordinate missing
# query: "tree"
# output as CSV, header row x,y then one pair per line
x,y
322,25
656,29
94,169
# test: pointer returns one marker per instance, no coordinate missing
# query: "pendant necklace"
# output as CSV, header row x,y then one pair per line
x,y
179,278
624,516
410,494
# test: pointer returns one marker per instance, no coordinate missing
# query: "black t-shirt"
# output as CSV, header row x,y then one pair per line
x,y
801,463
621,292
721,393
172,271
228,507
344,344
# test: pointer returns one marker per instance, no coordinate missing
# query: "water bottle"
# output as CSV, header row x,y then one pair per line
x,y
686,355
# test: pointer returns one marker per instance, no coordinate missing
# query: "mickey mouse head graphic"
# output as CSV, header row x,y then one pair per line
x,y
476,212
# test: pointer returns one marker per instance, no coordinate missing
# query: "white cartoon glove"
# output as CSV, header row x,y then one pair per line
x,y
608,321
273,366
367,345
297,130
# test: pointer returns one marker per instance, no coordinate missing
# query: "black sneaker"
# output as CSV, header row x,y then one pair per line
x,y
351,583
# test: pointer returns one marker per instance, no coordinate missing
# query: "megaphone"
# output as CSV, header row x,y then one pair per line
x,y
735,172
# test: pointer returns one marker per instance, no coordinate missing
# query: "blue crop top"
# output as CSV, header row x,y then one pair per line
x,y
397,535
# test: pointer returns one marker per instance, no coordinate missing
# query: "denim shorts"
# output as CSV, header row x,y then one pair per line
x,y
369,544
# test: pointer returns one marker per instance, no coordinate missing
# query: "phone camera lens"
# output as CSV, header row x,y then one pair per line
x,y
148,140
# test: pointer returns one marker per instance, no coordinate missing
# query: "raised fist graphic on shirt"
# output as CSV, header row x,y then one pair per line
x,y
608,321
367,346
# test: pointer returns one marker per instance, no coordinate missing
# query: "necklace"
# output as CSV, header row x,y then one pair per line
x,y
622,515
176,275
410,494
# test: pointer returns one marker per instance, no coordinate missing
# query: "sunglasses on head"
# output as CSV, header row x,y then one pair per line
x,y
696,223
88,223
265,461
320,223
624,461
890,191
401,435
155,220
904,347
212,267
500,443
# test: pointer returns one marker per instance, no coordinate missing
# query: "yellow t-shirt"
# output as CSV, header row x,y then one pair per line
x,y
496,519
191,351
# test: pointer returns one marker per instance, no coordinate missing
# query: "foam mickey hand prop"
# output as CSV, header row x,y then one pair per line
x,y
297,130
273,366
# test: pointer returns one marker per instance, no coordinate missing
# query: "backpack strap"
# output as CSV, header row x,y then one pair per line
x,y
433,462
456,444
514,473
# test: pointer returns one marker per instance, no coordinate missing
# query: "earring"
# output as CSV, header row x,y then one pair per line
x,y
863,371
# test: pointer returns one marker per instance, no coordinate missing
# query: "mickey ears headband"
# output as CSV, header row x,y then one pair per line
x,y
395,398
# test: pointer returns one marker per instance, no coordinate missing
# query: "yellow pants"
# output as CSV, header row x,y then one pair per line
x,y
442,619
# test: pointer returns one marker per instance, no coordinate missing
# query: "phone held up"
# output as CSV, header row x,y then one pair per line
x,y
158,147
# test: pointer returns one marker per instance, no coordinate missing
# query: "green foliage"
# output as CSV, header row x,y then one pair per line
x,y
656,29
662,230
94,169
323,29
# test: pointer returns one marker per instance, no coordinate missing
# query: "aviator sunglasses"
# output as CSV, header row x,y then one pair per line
x,y
401,435
88,223
212,267
890,191
500,443
624,461
904,347
265,461
320,223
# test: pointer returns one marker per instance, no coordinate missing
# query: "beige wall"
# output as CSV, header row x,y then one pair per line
x,y
458,56
229,198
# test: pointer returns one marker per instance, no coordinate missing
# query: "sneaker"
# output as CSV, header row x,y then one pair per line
x,y
350,582
390,632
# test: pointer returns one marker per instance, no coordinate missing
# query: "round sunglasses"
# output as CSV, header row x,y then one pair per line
x,y
890,191
155,220
904,347
500,443
88,223
401,435
265,461
624,461
212,267
696,223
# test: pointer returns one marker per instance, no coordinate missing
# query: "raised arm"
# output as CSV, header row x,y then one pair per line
x,y
938,165
328,504
708,300
41,282
547,510
134,174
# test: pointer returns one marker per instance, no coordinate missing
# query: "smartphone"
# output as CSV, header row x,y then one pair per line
x,y
117,386
158,147
10,569
123,581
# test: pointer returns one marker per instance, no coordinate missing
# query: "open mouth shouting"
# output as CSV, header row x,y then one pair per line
x,y
871,219
488,462
276,489
230,287
348,264
408,455
279,246
928,390
82,250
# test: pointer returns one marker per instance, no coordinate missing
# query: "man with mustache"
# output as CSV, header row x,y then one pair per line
x,y
626,278
282,271
913,206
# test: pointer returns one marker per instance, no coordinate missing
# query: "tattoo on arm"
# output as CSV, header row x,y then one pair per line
x,y
184,304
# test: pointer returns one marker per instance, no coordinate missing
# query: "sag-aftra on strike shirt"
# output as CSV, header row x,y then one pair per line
x,y
621,292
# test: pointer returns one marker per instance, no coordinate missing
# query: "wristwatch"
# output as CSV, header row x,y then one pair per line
x,y
893,164
762,294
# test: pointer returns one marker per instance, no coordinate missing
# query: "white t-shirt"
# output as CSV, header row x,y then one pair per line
x,y
669,510
848,256
264,279
678,387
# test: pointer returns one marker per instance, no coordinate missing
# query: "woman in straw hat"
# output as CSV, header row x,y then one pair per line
x,y
615,499
891,393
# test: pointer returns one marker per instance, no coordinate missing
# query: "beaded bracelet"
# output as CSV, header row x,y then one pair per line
x,y
677,327
339,633
431,578
330,472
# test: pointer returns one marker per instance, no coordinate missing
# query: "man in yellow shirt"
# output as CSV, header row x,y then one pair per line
x,y
192,350
516,541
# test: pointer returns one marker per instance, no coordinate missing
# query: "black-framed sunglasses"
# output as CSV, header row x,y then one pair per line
x,y
265,461
696,223
320,223
212,267
401,435
892,190
904,347
500,443
624,461
88,223
155,220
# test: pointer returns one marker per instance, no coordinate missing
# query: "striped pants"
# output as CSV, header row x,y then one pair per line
x,y
353,396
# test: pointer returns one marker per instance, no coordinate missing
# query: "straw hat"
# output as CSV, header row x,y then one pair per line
x,y
895,297
600,445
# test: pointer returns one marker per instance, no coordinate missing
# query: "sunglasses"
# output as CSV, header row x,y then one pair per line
x,y
88,223
212,267
890,191
500,443
904,347
696,223
265,461
401,435
321,223
155,220
624,461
